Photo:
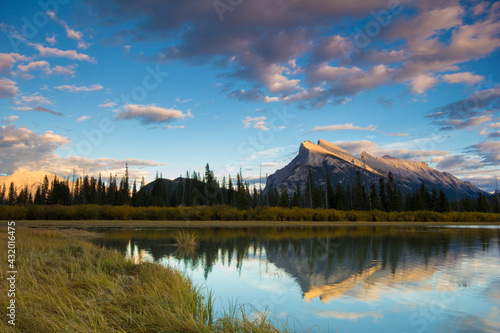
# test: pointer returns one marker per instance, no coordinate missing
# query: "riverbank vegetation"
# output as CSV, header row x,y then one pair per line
x,y
69,285
193,190
228,213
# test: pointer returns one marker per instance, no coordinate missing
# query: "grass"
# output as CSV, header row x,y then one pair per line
x,y
69,285
226,213
186,238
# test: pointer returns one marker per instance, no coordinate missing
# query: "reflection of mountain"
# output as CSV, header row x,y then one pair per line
x,y
329,262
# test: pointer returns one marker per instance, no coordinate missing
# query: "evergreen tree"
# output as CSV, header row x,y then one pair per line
x,y
330,193
383,195
360,199
443,204
467,204
39,200
482,204
340,197
12,197
374,199
242,200
392,194
2,195
284,197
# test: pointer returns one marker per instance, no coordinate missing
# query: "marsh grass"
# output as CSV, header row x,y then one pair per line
x,y
186,237
70,285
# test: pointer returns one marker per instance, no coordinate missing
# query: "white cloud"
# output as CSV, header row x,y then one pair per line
x,y
343,127
8,88
51,40
465,77
53,52
422,82
73,88
36,98
148,114
256,122
21,147
7,61
107,104
83,118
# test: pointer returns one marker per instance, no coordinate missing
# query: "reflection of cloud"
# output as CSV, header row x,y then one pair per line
x,y
350,315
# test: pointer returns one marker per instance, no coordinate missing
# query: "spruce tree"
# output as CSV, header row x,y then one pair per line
x,y
12,197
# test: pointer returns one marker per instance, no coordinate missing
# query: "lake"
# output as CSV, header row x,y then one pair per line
x,y
340,279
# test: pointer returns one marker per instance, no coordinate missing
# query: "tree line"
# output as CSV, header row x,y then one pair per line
x,y
206,190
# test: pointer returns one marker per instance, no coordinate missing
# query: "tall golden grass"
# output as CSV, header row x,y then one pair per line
x,y
227,213
70,285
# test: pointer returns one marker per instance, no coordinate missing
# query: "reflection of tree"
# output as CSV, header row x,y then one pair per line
x,y
315,256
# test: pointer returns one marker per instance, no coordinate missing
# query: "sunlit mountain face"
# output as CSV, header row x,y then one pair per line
x,y
346,278
326,159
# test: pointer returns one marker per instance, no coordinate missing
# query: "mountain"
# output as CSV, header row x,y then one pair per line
x,y
26,178
325,158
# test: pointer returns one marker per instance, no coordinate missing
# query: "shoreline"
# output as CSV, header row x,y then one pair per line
x,y
146,224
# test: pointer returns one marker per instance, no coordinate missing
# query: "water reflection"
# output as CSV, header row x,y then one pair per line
x,y
346,278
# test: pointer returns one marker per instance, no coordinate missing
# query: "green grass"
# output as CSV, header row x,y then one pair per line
x,y
69,285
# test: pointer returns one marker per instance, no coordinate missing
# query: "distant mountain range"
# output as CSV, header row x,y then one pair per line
x,y
26,178
325,158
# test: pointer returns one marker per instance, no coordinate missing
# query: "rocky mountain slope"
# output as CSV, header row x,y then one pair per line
x,y
325,158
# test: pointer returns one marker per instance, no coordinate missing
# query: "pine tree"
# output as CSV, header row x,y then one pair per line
x,y
330,193
340,197
12,197
467,204
284,197
374,199
443,204
383,195
2,195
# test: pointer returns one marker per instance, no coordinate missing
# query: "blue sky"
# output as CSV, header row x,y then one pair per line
x,y
170,86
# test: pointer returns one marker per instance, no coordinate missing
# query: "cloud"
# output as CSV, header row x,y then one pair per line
x,y
464,110
342,127
36,98
70,33
421,83
7,61
252,95
488,151
494,135
51,40
8,88
83,118
73,88
397,134
385,102
53,52
107,104
357,147
291,50
148,114
455,124
256,122
21,147
39,108
173,127
44,66
457,162
465,77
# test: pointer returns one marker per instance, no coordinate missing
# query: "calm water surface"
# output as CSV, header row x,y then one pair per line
x,y
341,279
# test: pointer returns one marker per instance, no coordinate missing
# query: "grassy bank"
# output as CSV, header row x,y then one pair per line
x,y
226,213
69,285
